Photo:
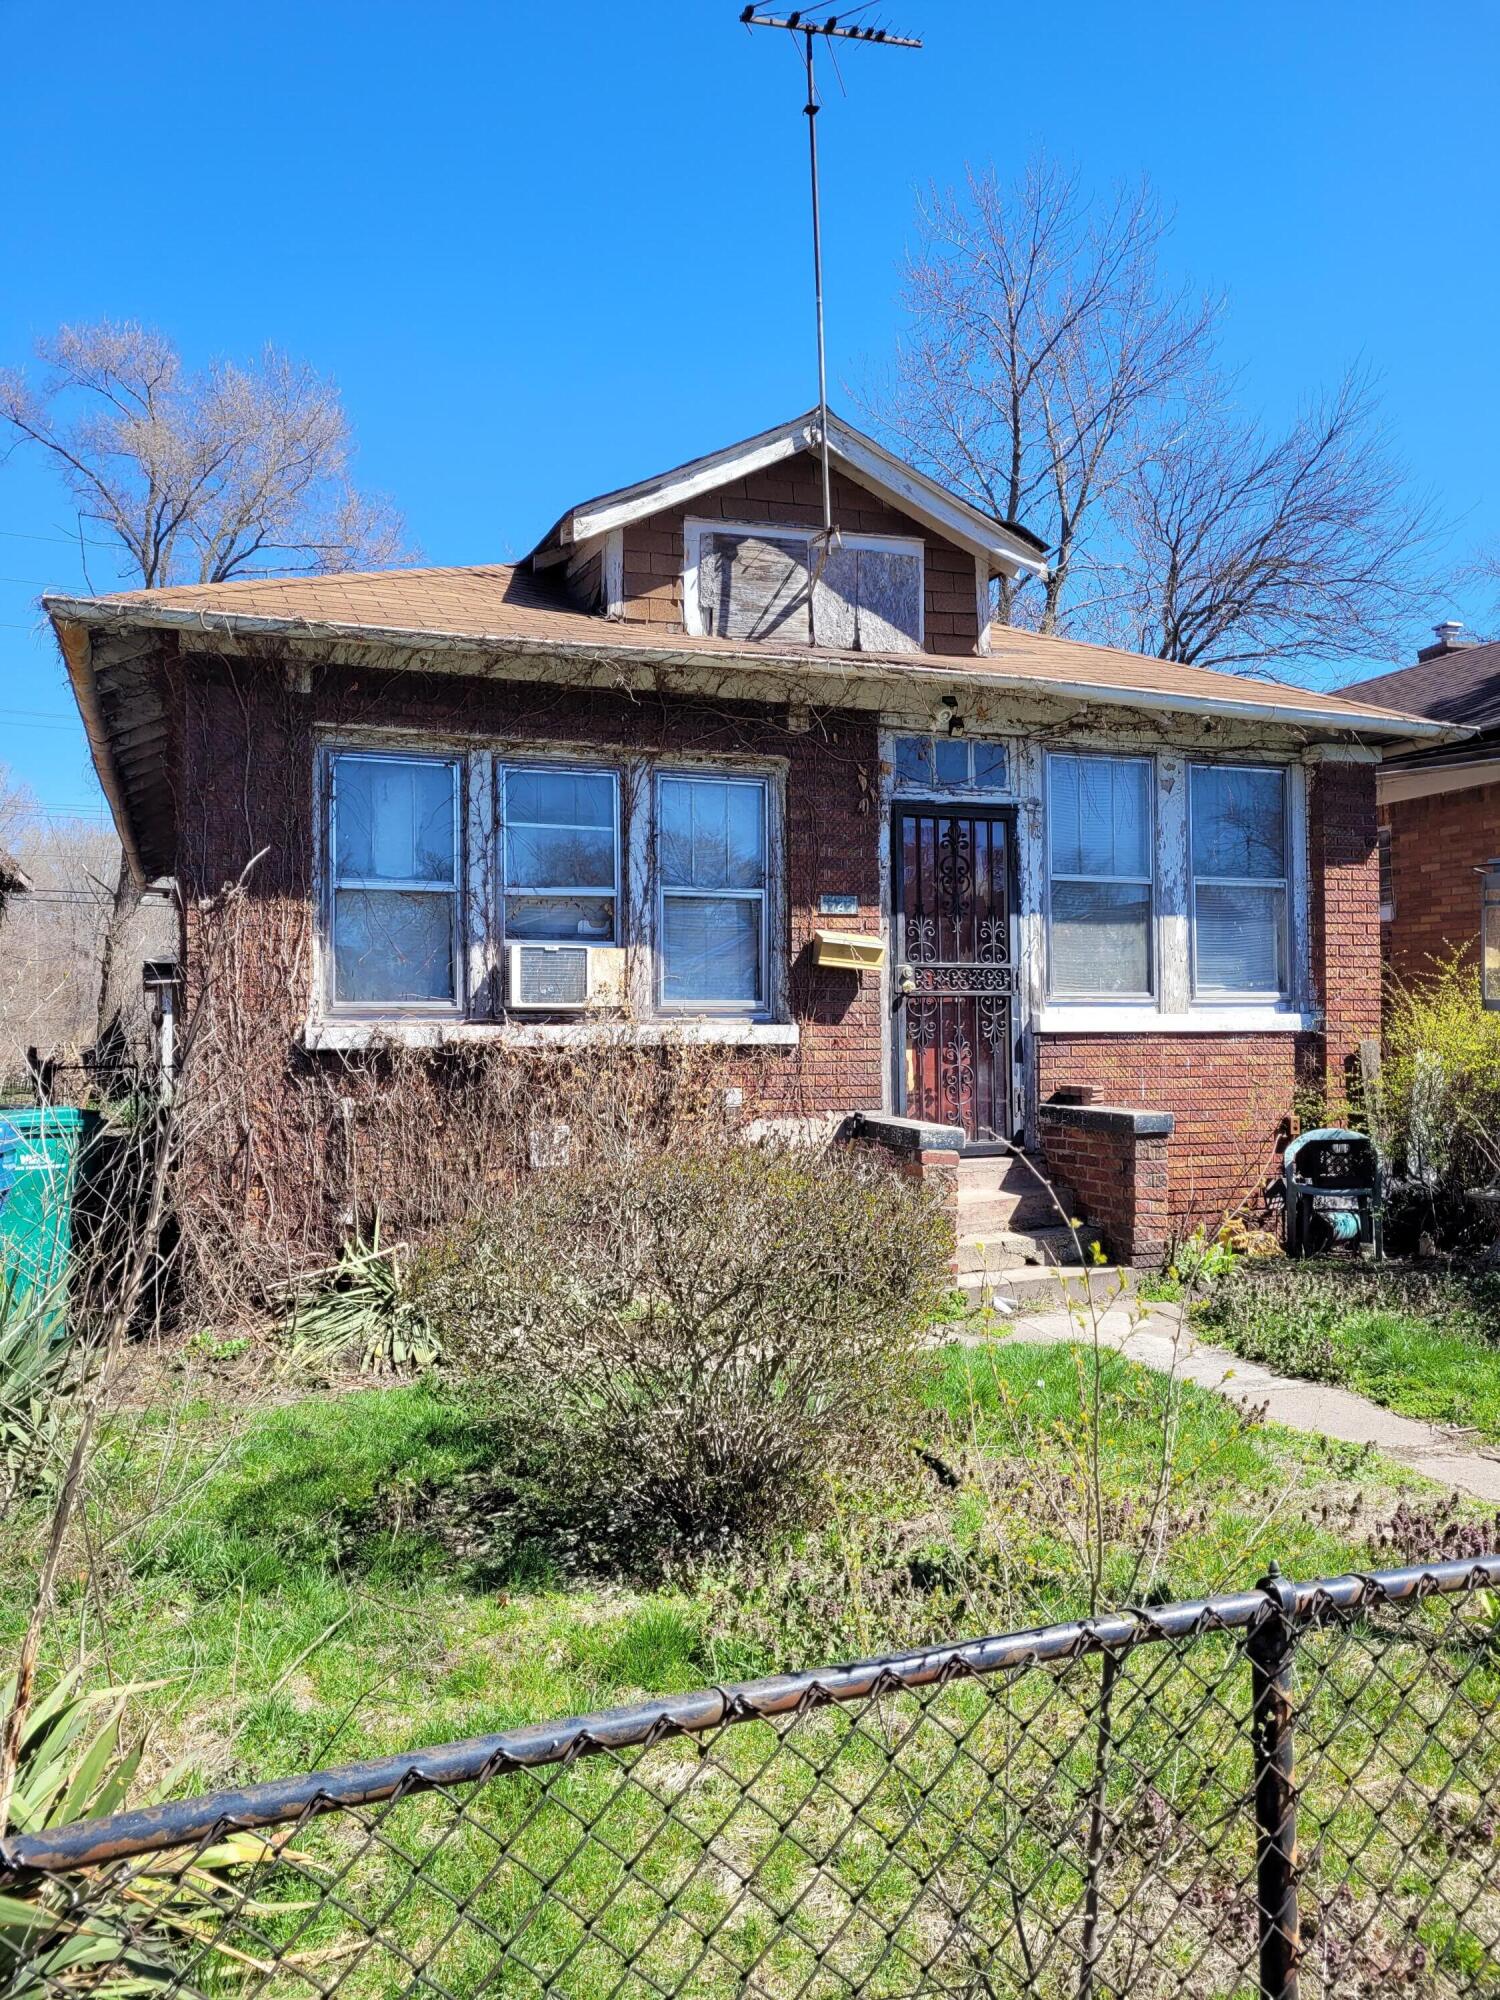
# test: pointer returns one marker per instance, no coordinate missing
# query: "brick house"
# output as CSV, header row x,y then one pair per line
x,y
687,771
1439,803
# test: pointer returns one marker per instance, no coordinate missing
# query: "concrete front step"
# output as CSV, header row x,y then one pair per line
x,y
982,1212
1037,1287
1009,1249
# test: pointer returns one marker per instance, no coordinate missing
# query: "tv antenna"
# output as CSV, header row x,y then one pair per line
x,y
842,28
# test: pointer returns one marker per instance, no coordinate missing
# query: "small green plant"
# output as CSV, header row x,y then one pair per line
x,y
219,1347
360,1306
1437,1112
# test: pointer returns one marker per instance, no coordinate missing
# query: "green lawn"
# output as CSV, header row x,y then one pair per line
x,y
327,1579
1425,1347
319,1580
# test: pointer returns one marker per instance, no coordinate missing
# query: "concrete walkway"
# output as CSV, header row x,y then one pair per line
x,y
1158,1337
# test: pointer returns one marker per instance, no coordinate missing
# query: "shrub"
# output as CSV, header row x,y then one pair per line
x,y
703,1343
1437,1115
1296,1316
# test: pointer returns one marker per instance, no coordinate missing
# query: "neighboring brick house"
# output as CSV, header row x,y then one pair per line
x,y
1439,804
653,780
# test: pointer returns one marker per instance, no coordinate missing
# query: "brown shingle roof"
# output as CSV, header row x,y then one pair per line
x,y
510,607
1459,685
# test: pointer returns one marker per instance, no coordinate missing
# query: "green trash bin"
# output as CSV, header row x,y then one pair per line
x,y
39,1156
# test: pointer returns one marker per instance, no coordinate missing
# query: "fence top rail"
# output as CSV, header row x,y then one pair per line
x,y
194,1822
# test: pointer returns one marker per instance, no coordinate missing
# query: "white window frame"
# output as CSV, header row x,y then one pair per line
x,y
695,529
551,766
1247,996
760,1008
904,788
1153,969
331,883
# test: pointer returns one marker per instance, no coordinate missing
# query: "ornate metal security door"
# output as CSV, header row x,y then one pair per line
x,y
955,980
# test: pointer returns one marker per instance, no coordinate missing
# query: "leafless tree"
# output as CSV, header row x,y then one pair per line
x,y
1041,335
1244,547
199,476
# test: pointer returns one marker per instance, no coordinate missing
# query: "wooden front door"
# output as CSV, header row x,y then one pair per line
x,y
955,978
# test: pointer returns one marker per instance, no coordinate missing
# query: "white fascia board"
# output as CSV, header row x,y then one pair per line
x,y
1391,787
931,503
941,671
677,488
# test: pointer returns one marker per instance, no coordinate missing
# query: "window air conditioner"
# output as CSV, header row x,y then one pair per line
x,y
563,978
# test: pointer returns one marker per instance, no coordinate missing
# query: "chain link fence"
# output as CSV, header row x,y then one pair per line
x,y
1291,1788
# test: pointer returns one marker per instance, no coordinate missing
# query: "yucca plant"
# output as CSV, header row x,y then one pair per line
x,y
88,1933
38,1374
360,1305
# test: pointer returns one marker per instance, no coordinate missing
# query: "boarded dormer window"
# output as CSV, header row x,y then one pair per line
x,y
754,586
864,594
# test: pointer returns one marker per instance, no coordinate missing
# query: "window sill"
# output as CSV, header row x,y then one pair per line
x,y
436,1034
1080,1017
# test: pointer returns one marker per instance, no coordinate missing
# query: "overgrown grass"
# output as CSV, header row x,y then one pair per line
x,y
1425,1346
349,1575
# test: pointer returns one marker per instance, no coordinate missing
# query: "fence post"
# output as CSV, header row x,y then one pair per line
x,y
1272,1645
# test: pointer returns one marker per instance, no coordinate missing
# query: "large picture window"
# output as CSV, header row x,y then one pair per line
x,y
561,844
1100,876
1239,880
394,853
711,864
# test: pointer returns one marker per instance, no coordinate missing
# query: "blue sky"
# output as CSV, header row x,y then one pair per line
x,y
546,249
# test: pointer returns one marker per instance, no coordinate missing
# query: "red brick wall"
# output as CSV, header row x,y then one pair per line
x,y
1227,1093
1119,1180
1436,844
1344,915
791,494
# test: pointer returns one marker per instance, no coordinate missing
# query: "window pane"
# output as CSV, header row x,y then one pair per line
x,y
1101,817
559,857
390,945
1238,939
991,769
560,798
711,949
712,834
1100,938
393,819
952,759
561,919
1239,822
914,760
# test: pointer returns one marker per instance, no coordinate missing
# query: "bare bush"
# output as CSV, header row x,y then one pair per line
x,y
713,1337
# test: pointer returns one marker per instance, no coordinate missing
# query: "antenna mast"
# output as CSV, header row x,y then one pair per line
x,y
801,24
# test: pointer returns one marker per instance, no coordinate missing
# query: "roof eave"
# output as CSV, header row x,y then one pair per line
x,y
950,670
74,628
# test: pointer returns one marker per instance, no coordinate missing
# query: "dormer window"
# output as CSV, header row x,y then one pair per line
x,y
766,583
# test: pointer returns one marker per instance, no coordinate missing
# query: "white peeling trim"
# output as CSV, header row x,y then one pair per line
x,y
343,1034
1089,1019
612,573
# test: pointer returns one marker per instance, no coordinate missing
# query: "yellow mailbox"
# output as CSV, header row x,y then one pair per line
x,y
850,951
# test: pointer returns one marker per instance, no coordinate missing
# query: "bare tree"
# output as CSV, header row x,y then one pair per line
x,y
1245,548
1041,336
199,476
